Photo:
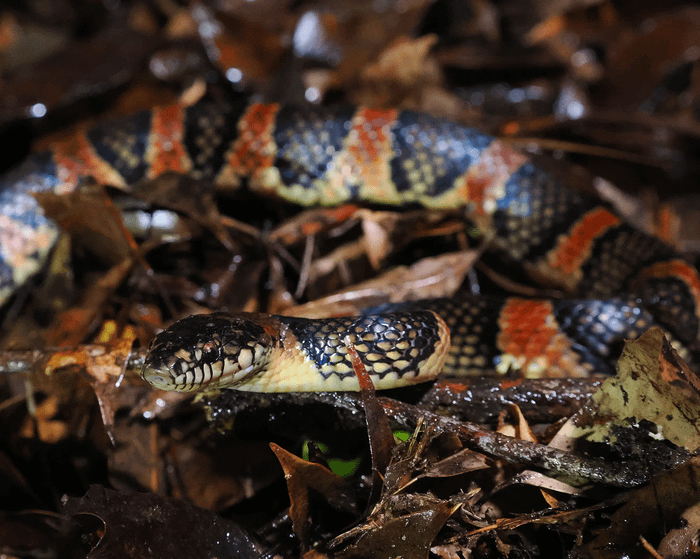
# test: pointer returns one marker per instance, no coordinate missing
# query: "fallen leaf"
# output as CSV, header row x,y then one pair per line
x,y
683,541
147,525
653,385
89,215
408,536
432,277
302,476
647,512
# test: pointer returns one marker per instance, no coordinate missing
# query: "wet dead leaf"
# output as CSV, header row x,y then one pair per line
x,y
427,455
147,525
537,479
381,438
683,541
405,467
459,463
398,531
647,512
203,469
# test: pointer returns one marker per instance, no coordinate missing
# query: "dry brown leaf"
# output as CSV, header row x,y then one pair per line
x,y
72,326
403,62
459,463
432,277
44,425
517,427
537,479
89,215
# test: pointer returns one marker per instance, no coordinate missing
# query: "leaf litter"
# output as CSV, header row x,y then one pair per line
x,y
489,470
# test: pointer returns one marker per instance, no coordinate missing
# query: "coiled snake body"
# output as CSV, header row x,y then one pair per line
x,y
556,236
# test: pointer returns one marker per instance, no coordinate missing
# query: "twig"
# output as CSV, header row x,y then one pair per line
x,y
35,360
619,474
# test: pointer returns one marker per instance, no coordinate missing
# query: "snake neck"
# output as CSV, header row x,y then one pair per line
x,y
397,349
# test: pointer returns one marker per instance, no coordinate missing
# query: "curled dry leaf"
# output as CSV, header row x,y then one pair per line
x,y
515,425
438,276
536,479
403,62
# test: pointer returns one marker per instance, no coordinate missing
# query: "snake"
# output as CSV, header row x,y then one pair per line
x,y
398,344
620,280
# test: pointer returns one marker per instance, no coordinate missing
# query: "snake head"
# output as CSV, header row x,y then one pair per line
x,y
209,351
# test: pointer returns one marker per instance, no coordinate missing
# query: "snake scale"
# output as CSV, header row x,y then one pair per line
x,y
620,280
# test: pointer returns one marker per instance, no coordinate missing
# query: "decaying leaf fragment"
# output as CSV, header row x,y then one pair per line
x,y
652,386
648,511
685,540
147,525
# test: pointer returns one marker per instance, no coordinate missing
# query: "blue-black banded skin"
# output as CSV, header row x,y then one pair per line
x,y
388,342
533,338
319,156
322,133
208,132
123,144
434,153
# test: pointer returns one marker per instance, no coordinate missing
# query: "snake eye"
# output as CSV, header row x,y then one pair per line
x,y
210,353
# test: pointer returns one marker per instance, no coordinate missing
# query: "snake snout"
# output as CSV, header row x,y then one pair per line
x,y
207,351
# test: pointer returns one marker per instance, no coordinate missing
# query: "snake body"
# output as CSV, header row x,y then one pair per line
x,y
399,344
264,353
318,156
